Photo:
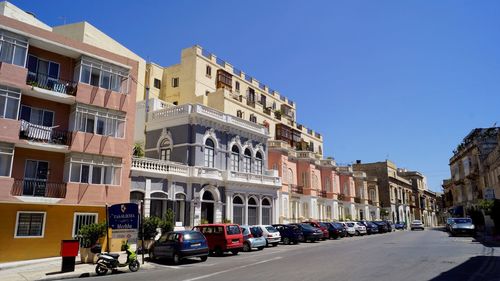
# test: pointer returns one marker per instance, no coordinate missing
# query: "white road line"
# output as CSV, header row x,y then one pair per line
x,y
232,269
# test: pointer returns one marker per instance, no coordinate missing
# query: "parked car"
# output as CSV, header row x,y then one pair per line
x,y
449,222
222,237
462,226
391,225
383,227
271,234
179,245
416,224
311,234
289,233
400,225
252,238
341,228
323,228
349,227
360,228
371,228
333,231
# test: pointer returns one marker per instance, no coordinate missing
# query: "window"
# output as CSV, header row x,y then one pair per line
x,y
237,86
82,219
235,158
6,154
95,169
327,184
165,149
99,121
284,170
258,163
304,179
239,114
30,224
208,71
103,75
253,118
209,153
9,102
290,176
247,159
238,208
44,73
13,48
37,116
157,83
251,95
263,100
315,181
175,82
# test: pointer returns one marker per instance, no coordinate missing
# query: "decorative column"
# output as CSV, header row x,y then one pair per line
x,y
147,197
259,214
245,215
229,206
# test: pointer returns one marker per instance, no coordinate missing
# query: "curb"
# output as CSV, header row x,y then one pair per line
x,y
10,265
73,275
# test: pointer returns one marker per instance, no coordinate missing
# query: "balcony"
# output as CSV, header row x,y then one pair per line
x,y
251,103
267,110
265,179
357,200
47,138
370,202
341,197
297,189
38,188
155,166
49,88
322,193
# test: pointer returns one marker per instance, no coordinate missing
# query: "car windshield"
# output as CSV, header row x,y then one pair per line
x,y
417,222
306,226
350,224
338,225
271,229
462,220
232,229
195,235
256,231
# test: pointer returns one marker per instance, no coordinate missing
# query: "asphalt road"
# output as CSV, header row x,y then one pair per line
x,y
402,255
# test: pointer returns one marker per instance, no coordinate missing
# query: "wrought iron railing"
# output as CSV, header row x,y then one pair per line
x,y
38,188
44,81
297,189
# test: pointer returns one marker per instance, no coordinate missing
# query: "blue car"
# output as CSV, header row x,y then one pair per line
x,y
252,238
310,233
290,234
179,245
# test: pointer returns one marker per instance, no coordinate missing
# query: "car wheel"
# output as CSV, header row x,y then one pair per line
x,y
286,240
235,252
260,248
218,251
176,259
246,247
152,256
357,233
275,244
204,258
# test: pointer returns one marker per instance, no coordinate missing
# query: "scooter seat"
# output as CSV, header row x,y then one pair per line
x,y
115,256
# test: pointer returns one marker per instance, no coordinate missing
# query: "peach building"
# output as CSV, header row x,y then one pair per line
x,y
67,118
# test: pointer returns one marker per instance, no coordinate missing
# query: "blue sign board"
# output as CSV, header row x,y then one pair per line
x,y
124,216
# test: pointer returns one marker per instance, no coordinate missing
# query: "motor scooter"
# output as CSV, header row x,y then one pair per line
x,y
108,261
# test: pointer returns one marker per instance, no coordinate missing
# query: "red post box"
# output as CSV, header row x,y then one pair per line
x,y
69,250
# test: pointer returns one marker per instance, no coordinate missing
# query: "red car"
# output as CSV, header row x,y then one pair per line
x,y
222,237
324,229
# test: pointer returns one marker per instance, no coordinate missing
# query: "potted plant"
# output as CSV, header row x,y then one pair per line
x,y
89,236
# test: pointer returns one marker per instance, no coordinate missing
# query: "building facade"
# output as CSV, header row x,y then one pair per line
x,y
207,166
474,171
67,113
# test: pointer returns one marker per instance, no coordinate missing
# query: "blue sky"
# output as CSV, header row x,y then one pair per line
x,y
404,80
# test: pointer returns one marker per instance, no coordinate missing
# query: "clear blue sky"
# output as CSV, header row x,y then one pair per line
x,y
404,80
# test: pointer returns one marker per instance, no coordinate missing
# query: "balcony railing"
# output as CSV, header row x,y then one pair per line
x,y
357,200
251,103
322,193
341,197
297,189
44,81
370,202
160,166
44,134
38,188
267,110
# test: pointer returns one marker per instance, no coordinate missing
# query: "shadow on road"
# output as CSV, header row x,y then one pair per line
x,y
483,268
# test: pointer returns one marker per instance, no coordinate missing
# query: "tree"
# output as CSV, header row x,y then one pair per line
x,y
89,234
168,222
138,150
384,213
150,225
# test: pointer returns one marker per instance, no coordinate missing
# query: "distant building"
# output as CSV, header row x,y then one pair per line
x,y
474,169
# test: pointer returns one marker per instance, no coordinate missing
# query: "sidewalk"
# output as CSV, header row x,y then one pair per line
x,y
49,269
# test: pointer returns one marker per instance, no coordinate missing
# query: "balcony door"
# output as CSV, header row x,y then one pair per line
x,y
44,73
35,177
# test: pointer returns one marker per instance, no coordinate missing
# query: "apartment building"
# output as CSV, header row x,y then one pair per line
x,y
474,170
205,165
423,202
67,111
395,191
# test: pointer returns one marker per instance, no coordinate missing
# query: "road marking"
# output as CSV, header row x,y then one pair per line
x,y
232,269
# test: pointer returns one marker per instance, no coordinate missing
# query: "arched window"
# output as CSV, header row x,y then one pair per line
x,y
372,194
239,114
327,184
266,211
346,189
165,149
209,153
315,181
235,158
305,210
238,207
258,163
253,118
290,176
207,196
284,171
252,211
247,160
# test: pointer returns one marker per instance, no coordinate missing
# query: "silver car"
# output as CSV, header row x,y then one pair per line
x,y
462,226
416,224
252,238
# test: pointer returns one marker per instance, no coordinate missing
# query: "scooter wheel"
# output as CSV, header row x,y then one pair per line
x,y
100,270
134,266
